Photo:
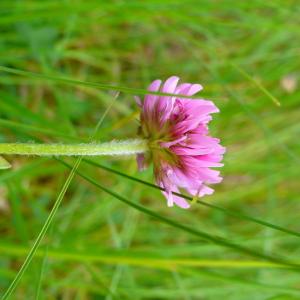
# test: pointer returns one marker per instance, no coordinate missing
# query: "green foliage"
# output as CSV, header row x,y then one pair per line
x,y
62,63
4,164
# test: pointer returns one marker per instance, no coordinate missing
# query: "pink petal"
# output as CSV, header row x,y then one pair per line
x,y
179,201
179,150
188,89
150,100
140,158
176,141
138,101
170,85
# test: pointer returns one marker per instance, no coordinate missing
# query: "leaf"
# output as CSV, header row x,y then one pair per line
x,y
4,164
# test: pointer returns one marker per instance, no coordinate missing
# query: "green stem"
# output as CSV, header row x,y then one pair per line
x,y
125,147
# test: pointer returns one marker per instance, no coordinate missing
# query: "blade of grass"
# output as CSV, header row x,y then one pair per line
x,y
32,169
52,214
268,132
182,265
87,83
80,159
228,212
181,287
258,84
211,238
234,280
42,233
92,270
224,210
107,256
26,128
18,220
42,268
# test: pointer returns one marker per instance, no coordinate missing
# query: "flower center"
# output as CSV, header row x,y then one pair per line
x,y
162,154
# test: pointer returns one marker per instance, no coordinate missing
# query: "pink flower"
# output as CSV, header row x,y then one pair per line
x,y
180,146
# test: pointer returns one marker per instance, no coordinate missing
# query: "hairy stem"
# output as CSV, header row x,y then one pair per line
x,y
125,147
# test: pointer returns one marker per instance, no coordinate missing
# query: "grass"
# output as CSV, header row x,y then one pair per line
x,y
62,63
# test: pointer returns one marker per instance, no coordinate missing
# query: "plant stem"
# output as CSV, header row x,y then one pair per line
x,y
125,147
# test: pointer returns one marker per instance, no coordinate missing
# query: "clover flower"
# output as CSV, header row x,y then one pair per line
x,y
181,148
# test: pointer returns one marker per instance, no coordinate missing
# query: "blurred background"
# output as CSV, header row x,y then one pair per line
x,y
244,53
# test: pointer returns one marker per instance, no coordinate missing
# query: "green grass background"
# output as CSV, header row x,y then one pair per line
x,y
246,54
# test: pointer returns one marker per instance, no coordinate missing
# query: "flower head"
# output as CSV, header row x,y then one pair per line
x,y
180,146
